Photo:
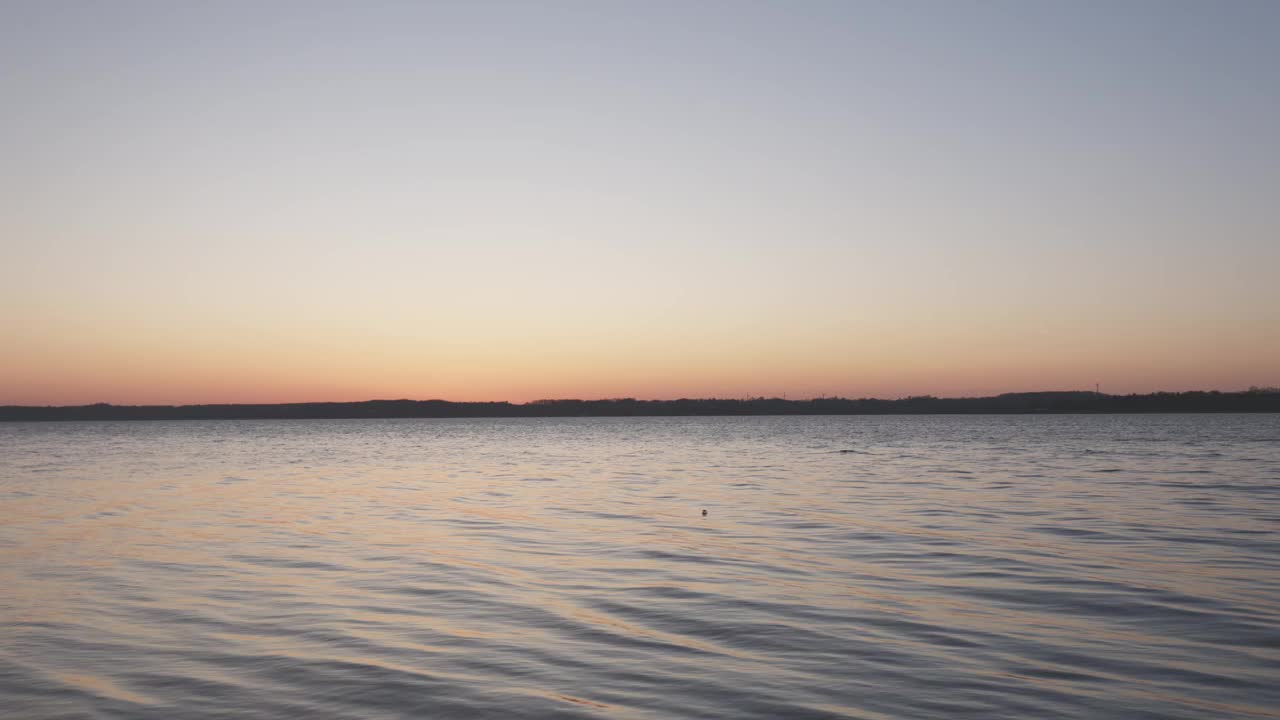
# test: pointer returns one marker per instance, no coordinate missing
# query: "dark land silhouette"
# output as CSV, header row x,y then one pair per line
x,y
1253,400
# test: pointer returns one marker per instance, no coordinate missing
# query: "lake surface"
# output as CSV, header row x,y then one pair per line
x,y
848,567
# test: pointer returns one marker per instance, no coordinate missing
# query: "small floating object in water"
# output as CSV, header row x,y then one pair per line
x,y
704,512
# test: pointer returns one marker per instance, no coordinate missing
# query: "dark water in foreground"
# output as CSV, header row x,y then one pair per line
x,y
852,567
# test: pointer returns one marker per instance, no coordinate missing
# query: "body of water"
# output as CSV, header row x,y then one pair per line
x,y
847,567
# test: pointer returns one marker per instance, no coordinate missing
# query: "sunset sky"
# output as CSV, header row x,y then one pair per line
x,y
262,202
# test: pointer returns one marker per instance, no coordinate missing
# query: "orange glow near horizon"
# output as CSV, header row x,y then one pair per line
x,y
525,342
187,371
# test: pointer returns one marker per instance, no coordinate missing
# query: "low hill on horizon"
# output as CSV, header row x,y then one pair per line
x,y
1069,401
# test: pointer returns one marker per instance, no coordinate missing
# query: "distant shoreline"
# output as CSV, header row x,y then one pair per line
x,y
1252,401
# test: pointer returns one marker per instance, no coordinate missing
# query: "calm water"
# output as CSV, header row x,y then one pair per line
x,y
851,567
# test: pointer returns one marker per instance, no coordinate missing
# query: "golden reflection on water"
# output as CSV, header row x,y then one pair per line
x,y
102,686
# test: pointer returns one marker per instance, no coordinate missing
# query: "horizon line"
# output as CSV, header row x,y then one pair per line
x,y
748,398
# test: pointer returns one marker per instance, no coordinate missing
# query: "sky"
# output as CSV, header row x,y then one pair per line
x,y
278,201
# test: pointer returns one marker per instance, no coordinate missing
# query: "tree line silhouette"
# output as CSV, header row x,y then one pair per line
x,y
1212,401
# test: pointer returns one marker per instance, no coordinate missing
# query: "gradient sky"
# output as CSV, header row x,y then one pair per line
x,y
236,202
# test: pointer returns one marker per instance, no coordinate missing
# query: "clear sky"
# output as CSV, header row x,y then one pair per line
x,y
274,201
